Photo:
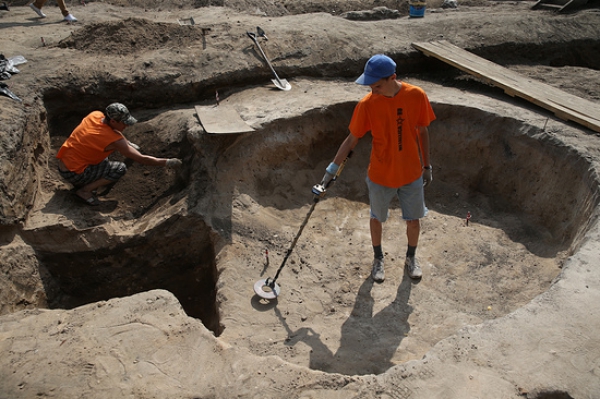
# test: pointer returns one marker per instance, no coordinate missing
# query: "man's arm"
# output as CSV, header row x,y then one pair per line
x,y
347,145
424,144
128,151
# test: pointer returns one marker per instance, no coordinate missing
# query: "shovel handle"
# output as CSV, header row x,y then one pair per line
x,y
278,82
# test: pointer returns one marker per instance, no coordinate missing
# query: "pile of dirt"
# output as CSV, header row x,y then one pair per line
x,y
125,37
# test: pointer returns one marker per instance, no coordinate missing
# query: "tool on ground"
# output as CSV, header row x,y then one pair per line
x,y
268,288
261,33
5,91
188,21
281,84
221,119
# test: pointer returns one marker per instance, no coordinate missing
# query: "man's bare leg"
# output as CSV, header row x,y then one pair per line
x,y
413,229
376,231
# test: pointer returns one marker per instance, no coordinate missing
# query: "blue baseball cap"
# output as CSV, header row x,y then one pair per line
x,y
378,67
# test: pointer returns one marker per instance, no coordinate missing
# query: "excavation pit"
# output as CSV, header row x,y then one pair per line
x,y
140,237
145,345
166,257
252,191
329,315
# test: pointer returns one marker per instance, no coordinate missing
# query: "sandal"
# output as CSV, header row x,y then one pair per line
x,y
91,201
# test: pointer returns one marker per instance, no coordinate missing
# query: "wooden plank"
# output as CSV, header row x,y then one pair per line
x,y
559,5
564,105
221,120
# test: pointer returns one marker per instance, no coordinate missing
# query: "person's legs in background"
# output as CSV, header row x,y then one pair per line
x,y
63,9
37,7
38,4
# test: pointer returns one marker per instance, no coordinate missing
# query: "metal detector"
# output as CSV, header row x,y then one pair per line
x,y
281,84
268,288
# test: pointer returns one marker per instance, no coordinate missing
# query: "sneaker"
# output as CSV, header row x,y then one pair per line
x,y
37,11
70,18
377,273
412,265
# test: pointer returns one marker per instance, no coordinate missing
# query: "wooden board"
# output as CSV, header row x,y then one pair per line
x,y
564,105
559,5
221,119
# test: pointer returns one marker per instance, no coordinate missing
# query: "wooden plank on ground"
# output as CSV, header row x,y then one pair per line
x,y
221,120
564,105
559,5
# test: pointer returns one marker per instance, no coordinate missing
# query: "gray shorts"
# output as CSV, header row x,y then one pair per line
x,y
109,170
411,197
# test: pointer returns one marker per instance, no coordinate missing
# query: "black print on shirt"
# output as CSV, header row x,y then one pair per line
x,y
399,124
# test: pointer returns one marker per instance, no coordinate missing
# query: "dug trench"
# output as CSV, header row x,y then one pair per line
x,y
330,316
202,233
209,230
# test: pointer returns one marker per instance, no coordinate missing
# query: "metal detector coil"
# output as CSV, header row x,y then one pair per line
x,y
267,288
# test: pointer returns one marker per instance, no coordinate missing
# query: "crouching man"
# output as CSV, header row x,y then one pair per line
x,y
83,158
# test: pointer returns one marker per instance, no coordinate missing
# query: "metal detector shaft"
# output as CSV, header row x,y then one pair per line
x,y
289,251
316,199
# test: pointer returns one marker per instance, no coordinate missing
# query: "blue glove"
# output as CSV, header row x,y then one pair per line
x,y
329,175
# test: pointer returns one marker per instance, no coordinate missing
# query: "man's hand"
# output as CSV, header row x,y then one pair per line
x,y
173,163
427,176
329,175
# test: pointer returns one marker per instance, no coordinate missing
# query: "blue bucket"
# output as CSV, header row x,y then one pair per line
x,y
416,9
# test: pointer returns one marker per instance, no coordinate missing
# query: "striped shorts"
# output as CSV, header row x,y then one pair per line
x,y
109,170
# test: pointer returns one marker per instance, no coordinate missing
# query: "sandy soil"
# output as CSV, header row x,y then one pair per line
x,y
230,214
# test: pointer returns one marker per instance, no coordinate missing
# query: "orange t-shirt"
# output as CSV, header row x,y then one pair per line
x,y
393,123
85,146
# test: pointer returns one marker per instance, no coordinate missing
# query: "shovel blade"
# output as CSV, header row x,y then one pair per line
x,y
282,84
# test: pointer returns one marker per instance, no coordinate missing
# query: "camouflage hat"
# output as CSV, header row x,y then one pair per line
x,y
120,113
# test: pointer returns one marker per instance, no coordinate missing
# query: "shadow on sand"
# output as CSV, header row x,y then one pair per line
x,y
368,341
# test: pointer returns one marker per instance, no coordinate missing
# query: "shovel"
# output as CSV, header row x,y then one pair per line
x,y
281,84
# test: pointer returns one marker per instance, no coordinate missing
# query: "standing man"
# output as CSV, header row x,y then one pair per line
x,y
83,158
398,115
